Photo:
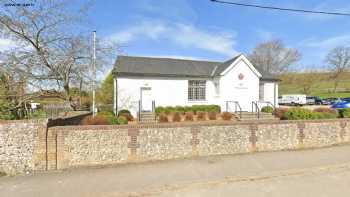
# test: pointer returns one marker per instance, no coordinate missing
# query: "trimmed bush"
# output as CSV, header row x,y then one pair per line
x,y
279,112
169,110
189,116
325,115
122,120
163,117
267,109
177,117
298,113
344,113
124,111
212,115
226,116
201,115
326,110
126,114
180,109
159,110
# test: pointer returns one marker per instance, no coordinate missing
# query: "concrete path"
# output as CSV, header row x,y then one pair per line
x,y
319,172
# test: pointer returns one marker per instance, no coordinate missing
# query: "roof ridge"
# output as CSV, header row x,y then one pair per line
x,y
170,58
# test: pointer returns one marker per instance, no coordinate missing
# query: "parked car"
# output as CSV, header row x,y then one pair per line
x,y
293,99
346,99
313,100
332,100
341,105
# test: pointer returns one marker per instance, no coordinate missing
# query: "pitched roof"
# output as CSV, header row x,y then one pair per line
x,y
169,67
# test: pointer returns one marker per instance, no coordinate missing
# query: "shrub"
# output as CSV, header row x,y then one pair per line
x,y
267,109
126,114
201,115
279,112
163,117
188,109
189,116
109,116
159,110
97,120
169,109
123,111
298,113
212,115
214,108
122,120
325,115
177,117
344,113
226,116
326,110
180,109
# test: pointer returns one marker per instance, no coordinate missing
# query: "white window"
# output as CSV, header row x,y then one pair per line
x,y
196,90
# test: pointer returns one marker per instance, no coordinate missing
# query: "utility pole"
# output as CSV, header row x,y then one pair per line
x,y
94,73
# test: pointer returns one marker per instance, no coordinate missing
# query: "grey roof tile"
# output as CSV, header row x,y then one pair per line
x,y
150,66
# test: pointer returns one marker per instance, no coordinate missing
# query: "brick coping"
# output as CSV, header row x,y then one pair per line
x,y
193,124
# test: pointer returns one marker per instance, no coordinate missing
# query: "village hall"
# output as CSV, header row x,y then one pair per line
x,y
142,83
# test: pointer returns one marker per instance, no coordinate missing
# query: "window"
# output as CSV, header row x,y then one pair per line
x,y
196,90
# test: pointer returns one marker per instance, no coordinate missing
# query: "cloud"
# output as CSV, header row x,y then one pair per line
x,y
327,43
184,35
6,44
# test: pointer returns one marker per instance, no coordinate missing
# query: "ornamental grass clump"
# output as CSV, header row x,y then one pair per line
x,y
163,117
201,116
226,116
189,116
177,117
212,115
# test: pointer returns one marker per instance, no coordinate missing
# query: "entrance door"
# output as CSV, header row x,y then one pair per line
x,y
146,99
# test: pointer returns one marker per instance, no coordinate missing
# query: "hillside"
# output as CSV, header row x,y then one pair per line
x,y
316,84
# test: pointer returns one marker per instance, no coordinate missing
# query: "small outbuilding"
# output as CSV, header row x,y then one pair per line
x,y
142,83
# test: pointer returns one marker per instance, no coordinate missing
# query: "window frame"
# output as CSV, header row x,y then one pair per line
x,y
197,90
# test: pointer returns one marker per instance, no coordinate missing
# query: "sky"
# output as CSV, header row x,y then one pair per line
x,y
200,29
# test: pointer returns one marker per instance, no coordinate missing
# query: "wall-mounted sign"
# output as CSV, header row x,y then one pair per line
x,y
240,76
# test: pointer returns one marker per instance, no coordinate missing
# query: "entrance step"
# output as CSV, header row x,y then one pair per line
x,y
147,117
248,116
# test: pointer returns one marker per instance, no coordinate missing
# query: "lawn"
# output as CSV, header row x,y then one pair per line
x,y
322,86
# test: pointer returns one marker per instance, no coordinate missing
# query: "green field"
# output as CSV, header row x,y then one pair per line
x,y
321,86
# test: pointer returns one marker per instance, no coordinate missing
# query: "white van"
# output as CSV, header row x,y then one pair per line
x,y
292,99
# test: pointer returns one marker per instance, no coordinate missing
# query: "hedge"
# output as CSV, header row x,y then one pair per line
x,y
298,113
183,109
267,109
344,113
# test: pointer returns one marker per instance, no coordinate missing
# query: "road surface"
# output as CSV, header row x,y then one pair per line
x,y
318,172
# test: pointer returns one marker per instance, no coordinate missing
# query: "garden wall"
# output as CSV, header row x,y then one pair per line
x,y
28,146
22,145
99,145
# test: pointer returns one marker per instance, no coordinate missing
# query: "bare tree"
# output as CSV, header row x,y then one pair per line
x,y
274,57
53,53
338,60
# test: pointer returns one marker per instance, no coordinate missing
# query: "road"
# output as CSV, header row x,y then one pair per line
x,y
318,172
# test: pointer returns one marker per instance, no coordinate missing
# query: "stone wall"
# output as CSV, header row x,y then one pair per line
x,y
100,145
20,146
27,146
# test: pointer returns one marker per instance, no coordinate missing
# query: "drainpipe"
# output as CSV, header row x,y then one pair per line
x,y
115,104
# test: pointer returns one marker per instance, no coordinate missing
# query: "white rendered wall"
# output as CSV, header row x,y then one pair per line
x,y
271,92
244,91
165,92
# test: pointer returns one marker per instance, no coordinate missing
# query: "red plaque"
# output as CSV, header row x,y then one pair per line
x,y
240,76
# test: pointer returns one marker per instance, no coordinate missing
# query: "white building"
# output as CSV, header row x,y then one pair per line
x,y
145,82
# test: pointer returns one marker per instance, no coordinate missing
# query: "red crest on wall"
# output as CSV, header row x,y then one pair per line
x,y
240,76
